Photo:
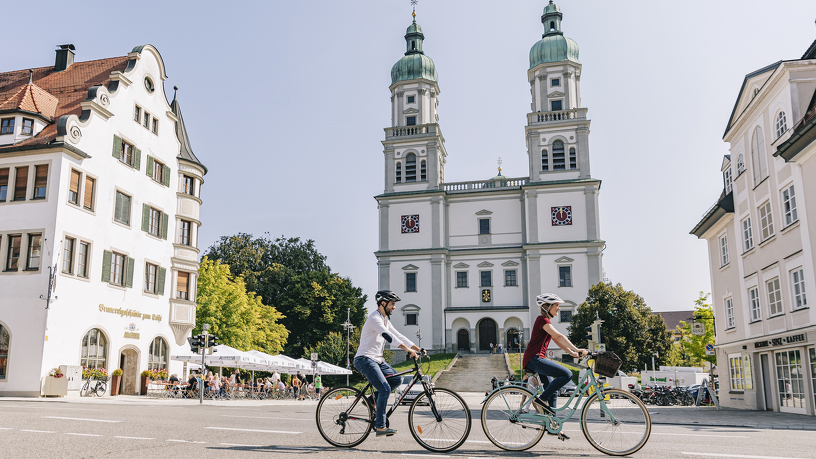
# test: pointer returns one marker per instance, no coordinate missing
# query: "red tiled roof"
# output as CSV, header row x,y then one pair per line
x,y
69,87
32,98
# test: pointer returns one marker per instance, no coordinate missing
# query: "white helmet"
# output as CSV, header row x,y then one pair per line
x,y
545,300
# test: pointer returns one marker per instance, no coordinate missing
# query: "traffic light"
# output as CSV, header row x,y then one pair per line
x,y
193,344
212,341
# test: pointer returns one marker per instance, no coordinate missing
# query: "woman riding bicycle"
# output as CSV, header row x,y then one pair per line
x,y
535,357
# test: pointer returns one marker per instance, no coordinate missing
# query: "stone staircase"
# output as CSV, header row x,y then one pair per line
x,y
473,372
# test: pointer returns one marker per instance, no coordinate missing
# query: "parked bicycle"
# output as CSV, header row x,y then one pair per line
x,y
614,421
439,419
97,389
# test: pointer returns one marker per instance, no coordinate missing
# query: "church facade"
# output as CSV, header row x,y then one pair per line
x,y
469,258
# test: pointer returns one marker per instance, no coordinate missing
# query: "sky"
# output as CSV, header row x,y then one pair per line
x,y
285,102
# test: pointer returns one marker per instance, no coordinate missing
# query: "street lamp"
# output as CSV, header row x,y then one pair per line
x,y
349,327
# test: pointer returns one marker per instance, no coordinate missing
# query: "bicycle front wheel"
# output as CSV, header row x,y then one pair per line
x,y
101,388
339,423
620,429
501,426
446,432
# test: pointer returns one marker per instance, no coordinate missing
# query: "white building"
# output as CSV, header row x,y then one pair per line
x,y
761,240
469,258
97,178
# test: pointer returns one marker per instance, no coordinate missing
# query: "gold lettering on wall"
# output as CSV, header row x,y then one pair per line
x,y
132,335
130,313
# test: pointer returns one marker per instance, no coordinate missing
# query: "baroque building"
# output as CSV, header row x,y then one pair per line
x,y
469,258
99,183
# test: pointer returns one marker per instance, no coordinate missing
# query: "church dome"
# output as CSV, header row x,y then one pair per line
x,y
415,64
553,46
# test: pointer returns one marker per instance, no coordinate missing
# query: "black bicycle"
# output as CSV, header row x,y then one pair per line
x,y
97,389
439,419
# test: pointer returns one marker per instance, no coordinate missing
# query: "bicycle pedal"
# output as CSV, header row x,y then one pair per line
x,y
561,437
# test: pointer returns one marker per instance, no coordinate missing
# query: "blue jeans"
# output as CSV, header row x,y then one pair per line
x,y
554,377
377,374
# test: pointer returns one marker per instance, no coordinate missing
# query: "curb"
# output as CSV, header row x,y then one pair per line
x,y
745,426
450,365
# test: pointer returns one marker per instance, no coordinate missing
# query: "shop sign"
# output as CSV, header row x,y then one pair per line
x,y
130,313
131,331
800,338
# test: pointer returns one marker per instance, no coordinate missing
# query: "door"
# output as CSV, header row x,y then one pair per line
x,y
130,372
767,382
487,334
463,340
790,381
513,340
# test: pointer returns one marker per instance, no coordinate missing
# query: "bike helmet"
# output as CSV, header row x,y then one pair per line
x,y
545,300
387,296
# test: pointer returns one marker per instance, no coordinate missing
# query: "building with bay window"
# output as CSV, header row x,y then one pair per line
x,y
98,182
761,237
469,258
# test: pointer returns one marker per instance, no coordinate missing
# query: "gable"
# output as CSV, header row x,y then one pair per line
x,y
754,79
556,94
564,260
461,266
510,263
410,111
484,212
485,264
410,267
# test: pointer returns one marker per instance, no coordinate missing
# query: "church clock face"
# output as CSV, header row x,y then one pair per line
x,y
410,223
562,215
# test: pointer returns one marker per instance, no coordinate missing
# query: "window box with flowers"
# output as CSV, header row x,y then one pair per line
x,y
56,384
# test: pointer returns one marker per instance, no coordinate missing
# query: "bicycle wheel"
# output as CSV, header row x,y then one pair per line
x,y
625,432
85,389
339,423
445,434
101,388
507,434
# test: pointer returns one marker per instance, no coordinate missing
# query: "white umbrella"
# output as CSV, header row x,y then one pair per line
x,y
323,368
298,365
187,358
273,362
225,356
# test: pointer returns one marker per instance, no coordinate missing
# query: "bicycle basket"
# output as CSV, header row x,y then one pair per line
x,y
607,364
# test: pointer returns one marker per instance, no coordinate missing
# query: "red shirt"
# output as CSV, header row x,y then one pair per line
x,y
539,341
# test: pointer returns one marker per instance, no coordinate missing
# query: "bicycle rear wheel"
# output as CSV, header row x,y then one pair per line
x,y
339,423
445,434
507,434
85,389
625,431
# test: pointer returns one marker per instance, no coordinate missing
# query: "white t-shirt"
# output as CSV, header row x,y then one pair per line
x,y
281,385
275,377
371,341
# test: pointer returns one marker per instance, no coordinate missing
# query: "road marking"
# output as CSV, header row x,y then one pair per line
x,y
79,419
702,435
265,417
740,456
5,428
82,434
254,430
39,431
135,438
431,455
490,443
244,446
180,441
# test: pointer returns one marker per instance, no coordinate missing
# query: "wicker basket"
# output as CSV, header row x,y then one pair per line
x,y
607,364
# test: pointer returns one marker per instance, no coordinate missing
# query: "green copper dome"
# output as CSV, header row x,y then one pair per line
x,y
553,46
415,64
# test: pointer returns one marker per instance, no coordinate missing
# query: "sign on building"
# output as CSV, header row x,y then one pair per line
x,y
698,329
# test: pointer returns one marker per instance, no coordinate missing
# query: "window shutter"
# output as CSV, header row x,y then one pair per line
x,y
117,213
117,147
106,265
160,281
149,168
137,157
129,280
164,221
89,192
145,217
166,175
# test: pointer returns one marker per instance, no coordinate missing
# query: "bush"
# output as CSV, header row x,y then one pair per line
x,y
117,372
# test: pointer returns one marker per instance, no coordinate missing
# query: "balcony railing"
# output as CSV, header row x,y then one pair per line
x,y
562,115
485,184
406,131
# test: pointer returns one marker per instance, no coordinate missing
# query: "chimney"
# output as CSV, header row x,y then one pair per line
x,y
65,57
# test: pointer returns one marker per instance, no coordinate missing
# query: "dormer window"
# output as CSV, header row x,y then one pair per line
x,y
555,82
7,126
28,127
411,99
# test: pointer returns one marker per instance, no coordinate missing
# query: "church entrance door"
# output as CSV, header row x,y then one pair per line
x,y
513,340
487,334
463,340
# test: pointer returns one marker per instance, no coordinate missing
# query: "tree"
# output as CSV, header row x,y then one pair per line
x,y
239,318
630,329
692,347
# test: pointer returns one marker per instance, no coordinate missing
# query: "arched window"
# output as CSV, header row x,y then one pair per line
x,y
399,172
573,159
94,349
423,176
552,25
4,351
759,163
781,124
545,160
740,165
410,168
157,359
559,163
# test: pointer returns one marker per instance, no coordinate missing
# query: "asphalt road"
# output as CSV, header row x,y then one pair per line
x,y
263,429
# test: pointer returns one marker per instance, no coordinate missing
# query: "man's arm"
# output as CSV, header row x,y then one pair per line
x,y
380,327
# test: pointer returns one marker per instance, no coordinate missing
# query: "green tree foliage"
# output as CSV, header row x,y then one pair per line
x,y
630,329
239,318
691,351
293,276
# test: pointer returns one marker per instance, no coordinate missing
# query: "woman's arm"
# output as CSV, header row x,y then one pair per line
x,y
563,342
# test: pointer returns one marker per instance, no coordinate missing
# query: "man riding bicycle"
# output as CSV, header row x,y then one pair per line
x,y
369,359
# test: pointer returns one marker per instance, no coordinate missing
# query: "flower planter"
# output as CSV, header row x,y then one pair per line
x,y
114,387
55,387
145,380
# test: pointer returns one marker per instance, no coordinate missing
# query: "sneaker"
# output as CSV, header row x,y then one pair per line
x,y
561,434
544,406
386,432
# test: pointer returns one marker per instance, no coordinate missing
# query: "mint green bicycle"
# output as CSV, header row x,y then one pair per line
x,y
614,421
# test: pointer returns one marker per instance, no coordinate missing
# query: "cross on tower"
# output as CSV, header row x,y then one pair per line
x,y
500,163
414,4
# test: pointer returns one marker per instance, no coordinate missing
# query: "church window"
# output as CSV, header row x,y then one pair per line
x,y
410,168
545,160
552,25
410,121
781,124
484,226
555,82
423,176
759,163
740,165
486,278
411,99
565,276
555,105
510,279
566,316
558,156
411,319
461,279
573,159
399,172
410,282
413,45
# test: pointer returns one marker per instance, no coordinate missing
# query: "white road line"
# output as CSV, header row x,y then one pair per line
x,y
701,435
740,456
79,419
135,438
245,446
179,441
82,434
254,430
5,428
39,431
490,443
266,417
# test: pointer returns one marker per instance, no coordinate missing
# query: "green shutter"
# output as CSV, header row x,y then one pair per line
x,y
117,147
145,217
126,209
160,281
164,221
166,175
129,280
137,158
106,265
117,213
149,168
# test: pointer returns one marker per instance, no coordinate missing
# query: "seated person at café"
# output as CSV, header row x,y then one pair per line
x,y
281,386
192,385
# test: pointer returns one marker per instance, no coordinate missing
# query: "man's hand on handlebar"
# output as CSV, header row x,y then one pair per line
x,y
411,354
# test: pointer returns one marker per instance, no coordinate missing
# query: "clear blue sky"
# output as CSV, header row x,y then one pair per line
x,y
285,102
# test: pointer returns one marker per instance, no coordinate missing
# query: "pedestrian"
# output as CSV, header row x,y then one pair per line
x,y
275,378
494,382
318,383
501,349
296,386
491,348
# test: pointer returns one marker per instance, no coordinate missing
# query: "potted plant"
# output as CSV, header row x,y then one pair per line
x,y
146,376
116,379
56,384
